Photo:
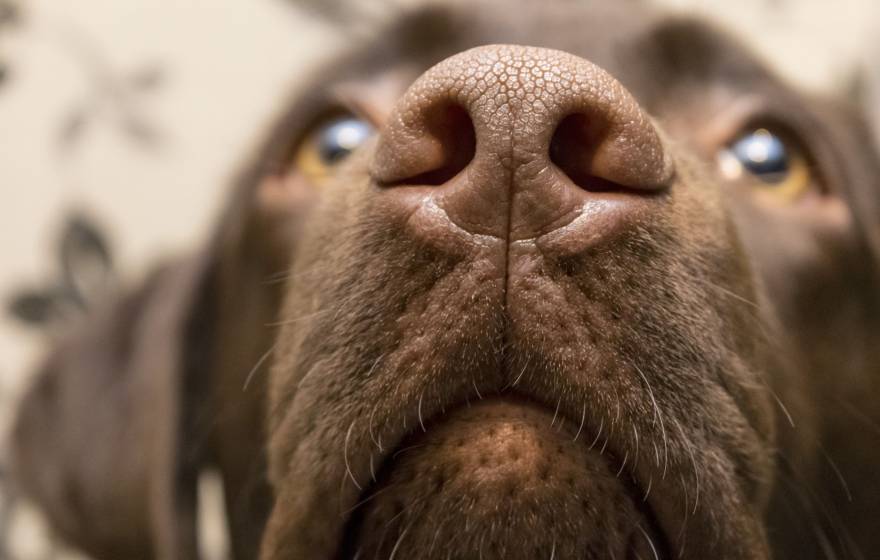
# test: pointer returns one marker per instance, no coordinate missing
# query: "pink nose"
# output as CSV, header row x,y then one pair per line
x,y
515,139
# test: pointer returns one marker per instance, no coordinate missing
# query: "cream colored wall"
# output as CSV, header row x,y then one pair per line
x,y
228,63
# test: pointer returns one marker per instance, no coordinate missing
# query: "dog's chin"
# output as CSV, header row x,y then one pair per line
x,y
502,478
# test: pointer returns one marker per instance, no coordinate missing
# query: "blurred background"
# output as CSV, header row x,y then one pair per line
x,y
136,112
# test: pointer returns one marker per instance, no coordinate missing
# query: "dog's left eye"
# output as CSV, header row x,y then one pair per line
x,y
329,143
780,166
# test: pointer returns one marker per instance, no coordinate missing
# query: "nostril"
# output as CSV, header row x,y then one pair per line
x,y
599,154
573,147
452,130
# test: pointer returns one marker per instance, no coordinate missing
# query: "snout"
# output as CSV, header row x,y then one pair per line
x,y
503,348
525,146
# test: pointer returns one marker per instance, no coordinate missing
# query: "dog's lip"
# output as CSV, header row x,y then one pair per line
x,y
590,437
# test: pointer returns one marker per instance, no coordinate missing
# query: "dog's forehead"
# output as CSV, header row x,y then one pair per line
x,y
649,51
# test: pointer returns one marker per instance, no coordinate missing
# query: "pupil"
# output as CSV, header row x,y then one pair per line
x,y
341,138
763,155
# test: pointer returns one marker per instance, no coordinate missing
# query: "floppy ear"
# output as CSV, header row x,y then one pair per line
x,y
161,374
864,194
864,127
95,439
158,374
852,123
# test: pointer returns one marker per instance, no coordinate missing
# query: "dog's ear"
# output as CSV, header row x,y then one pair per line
x,y
128,344
866,201
860,138
851,123
177,352
184,342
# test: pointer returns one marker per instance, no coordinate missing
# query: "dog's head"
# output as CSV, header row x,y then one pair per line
x,y
567,280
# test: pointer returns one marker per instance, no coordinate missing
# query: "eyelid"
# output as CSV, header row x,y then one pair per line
x,y
730,120
345,98
757,111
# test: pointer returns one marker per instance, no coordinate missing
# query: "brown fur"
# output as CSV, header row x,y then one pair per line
x,y
721,353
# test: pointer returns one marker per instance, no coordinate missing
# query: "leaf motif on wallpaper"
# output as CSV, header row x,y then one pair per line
x,y
147,78
73,127
116,99
10,15
139,130
84,276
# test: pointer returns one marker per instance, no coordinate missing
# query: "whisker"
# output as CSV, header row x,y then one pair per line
x,y
366,500
437,531
521,373
398,543
294,320
256,367
681,531
405,449
658,416
277,277
376,441
837,473
474,383
689,445
622,465
375,364
583,418
556,414
345,454
752,308
604,445
599,433
421,421
730,293
650,542
636,451
782,406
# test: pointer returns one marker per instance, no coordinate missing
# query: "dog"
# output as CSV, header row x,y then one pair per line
x,y
506,280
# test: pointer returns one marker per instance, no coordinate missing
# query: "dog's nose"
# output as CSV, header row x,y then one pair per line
x,y
515,141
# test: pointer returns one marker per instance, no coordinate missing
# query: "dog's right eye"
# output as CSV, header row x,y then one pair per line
x,y
779,165
329,143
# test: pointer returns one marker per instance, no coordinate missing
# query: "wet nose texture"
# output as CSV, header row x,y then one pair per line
x,y
514,142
